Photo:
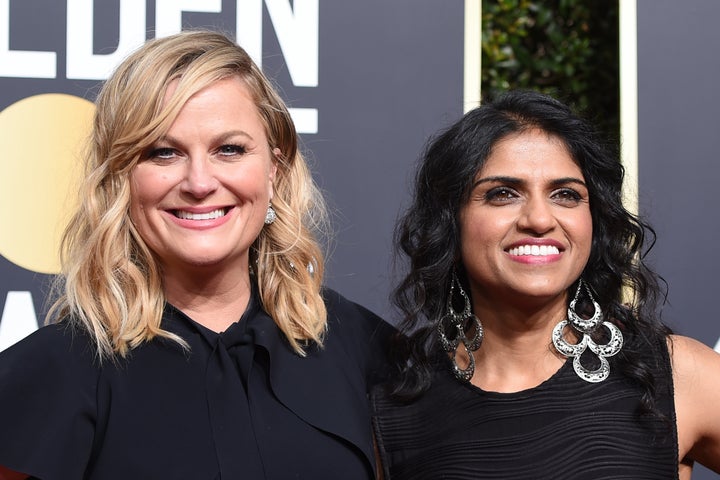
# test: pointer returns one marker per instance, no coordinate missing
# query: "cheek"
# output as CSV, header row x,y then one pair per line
x,y
585,225
482,227
477,234
137,197
137,212
148,183
144,190
251,184
582,228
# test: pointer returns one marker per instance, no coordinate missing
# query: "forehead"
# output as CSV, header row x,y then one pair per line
x,y
220,104
532,153
232,85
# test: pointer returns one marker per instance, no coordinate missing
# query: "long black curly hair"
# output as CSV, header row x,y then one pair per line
x,y
428,234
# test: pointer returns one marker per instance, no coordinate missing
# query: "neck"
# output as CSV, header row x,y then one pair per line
x,y
214,299
517,351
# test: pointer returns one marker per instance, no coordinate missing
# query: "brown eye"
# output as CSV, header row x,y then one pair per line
x,y
500,195
567,196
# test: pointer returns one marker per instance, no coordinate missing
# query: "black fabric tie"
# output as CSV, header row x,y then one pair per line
x,y
228,405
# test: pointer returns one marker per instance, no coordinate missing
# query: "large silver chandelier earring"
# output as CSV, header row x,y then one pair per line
x,y
451,330
586,327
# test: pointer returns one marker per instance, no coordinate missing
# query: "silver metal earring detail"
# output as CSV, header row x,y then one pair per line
x,y
457,322
586,327
270,215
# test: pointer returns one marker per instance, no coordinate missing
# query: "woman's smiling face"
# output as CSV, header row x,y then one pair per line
x,y
199,196
526,230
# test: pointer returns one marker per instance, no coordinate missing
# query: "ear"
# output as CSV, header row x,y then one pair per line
x,y
273,169
277,154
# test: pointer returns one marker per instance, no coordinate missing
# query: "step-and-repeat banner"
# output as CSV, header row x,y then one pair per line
x,y
679,163
367,82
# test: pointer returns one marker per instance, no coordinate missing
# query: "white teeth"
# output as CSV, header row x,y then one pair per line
x,y
200,216
534,250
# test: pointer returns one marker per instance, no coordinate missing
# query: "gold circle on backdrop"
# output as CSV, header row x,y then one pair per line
x,y
41,138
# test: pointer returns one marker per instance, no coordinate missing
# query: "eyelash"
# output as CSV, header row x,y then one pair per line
x,y
161,153
166,153
236,149
499,194
506,194
568,194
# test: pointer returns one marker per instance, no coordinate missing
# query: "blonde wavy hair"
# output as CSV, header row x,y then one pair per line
x,y
111,284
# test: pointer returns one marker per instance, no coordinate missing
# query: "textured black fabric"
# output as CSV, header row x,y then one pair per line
x,y
239,404
565,428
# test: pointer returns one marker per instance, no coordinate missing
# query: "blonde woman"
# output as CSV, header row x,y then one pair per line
x,y
192,338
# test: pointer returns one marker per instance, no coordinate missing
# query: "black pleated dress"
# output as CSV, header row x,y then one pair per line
x,y
563,429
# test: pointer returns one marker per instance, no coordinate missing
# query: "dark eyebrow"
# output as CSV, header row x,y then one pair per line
x,y
517,181
498,179
566,180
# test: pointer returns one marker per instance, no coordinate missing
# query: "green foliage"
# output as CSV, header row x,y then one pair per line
x,y
566,48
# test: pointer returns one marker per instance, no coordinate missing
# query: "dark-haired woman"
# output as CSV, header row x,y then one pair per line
x,y
532,346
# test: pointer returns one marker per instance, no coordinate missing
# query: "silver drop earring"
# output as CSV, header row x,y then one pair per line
x,y
586,327
457,323
270,215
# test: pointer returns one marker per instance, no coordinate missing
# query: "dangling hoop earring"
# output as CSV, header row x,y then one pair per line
x,y
586,327
457,322
270,215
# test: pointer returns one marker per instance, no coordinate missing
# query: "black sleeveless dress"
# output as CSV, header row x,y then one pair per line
x,y
565,428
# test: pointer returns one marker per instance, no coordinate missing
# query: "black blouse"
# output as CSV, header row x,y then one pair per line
x,y
239,404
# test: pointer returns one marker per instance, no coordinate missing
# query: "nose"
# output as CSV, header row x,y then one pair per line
x,y
536,216
199,177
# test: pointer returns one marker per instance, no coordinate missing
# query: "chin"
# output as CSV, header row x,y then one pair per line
x,y
200,261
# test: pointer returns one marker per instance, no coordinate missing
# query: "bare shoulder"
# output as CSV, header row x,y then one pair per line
x,y
696,376
688,353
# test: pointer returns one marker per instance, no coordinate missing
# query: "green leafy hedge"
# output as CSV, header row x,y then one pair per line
x,y
566,48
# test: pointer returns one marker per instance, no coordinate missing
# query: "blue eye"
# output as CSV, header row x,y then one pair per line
x,y
231,150
162,153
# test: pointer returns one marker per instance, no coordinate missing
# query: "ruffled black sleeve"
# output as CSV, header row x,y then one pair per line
x,y
48,384
328,387
364,334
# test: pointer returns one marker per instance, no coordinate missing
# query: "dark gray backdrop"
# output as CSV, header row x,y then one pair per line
x,y
679,159
390,73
